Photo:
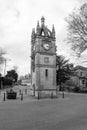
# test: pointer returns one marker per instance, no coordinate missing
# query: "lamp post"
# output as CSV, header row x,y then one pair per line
x,y
6,65
5,68
0,81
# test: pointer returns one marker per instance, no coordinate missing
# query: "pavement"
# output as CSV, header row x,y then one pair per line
x,y
69,113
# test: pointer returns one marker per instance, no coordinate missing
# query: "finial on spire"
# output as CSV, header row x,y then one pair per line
x,y
42,20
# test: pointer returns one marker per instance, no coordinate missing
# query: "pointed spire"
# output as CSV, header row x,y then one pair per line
x,y
33,32
33,36
38,27
42,20
53,31
38,24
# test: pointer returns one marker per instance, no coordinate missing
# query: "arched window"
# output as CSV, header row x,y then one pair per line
x,y
46,73
42,33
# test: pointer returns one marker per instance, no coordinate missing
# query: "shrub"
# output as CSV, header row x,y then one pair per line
x,y
76,89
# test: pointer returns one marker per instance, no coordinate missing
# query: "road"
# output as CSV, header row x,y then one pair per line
x,y
69,113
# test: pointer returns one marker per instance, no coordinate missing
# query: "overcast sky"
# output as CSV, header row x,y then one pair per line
x,y
18,17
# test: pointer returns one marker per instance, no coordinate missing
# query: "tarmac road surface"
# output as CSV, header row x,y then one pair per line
x,y
69,113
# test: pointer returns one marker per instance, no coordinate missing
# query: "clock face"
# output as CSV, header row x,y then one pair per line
x,y
46,46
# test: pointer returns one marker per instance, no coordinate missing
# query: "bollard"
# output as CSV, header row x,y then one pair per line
x,y
33,90
21,96
20,92
52,95
4,97
63,94
57,93
38,95
25,91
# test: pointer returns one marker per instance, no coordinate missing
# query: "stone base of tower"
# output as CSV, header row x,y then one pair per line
x,y
45,93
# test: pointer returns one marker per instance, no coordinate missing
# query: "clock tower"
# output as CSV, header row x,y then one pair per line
x,y
43,59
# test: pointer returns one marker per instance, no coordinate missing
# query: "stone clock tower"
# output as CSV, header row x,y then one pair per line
x,y
43,59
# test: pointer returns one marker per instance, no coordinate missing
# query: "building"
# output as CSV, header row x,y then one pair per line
x,y
43,59
80,76
81,73
25,80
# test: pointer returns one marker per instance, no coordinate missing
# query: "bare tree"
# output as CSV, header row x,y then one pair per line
x,y
77,29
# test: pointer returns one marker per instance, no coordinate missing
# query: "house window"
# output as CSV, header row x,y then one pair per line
x,y
46,59
83,82
46,73
80,73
